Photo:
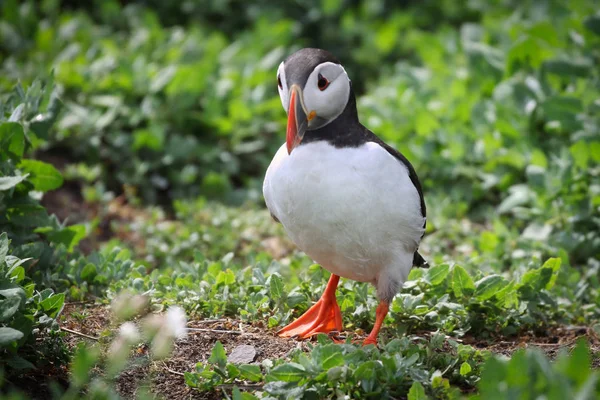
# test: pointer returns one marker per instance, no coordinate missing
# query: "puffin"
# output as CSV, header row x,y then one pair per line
x,y
347,199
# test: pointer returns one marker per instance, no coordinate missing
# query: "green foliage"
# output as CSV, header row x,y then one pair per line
x,y
529,375
217,288
26,314
410,364
449,299
89,276
501,116
25,119
178,113
219,371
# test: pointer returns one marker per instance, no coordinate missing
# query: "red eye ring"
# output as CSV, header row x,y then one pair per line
x,y
322,82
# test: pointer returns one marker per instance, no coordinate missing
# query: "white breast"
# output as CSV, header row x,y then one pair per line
x,y
355,211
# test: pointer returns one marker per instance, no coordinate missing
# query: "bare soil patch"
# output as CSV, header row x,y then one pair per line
x,y
168,378
165,377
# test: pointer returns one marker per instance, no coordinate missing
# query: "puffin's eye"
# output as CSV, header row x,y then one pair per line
x,y
322,82
279,82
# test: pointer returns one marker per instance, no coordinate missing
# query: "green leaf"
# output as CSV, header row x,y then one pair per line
x,y
553,264
462,283
578,367
43,122
581,154
276,288
519,195
417,392
579,68
426,123
12,138
437,274
250,372
69,236
493,374
290,372
11,290
162,78
465,368
191,379
18,112
593,23
527,50
489,286
89,272
83,361
9,335
28,215
9,182
236,394
543,277
366,373
328,356
561,108
44,176
19,363
150,138
53,305
3,247
232,371
17,273
8,307
438,381
226,277
488,241
218,356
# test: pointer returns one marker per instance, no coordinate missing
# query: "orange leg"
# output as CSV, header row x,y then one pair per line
x,y
323,317
382,310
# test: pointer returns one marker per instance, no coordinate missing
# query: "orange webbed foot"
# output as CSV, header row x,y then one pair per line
x,y
323,317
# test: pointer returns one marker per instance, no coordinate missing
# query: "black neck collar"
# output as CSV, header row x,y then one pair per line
x,y
344,131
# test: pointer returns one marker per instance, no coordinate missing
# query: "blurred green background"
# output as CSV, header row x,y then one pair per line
x,y
147,127
495,103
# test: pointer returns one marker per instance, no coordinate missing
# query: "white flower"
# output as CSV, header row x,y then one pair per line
x,y
129,332
176,322
126,306
162,346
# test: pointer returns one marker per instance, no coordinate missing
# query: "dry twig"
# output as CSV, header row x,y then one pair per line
x,y
173,371
79,333
207,321
250,386
214,331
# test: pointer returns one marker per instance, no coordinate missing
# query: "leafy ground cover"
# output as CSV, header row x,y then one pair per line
x,y
105,244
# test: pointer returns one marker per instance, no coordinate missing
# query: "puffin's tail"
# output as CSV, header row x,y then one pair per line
x,y
419,261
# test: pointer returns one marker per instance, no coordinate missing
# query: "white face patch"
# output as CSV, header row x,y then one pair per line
x,y
327,103
282,87
330,102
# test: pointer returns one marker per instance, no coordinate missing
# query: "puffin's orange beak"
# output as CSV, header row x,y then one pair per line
x,y
297,120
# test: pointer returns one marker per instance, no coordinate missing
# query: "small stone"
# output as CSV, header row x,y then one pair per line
x,y
243,354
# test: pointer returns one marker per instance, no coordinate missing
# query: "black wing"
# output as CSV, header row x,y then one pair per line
x,y
418,260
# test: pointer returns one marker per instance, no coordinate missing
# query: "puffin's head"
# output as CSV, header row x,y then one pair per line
x,y
314,90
